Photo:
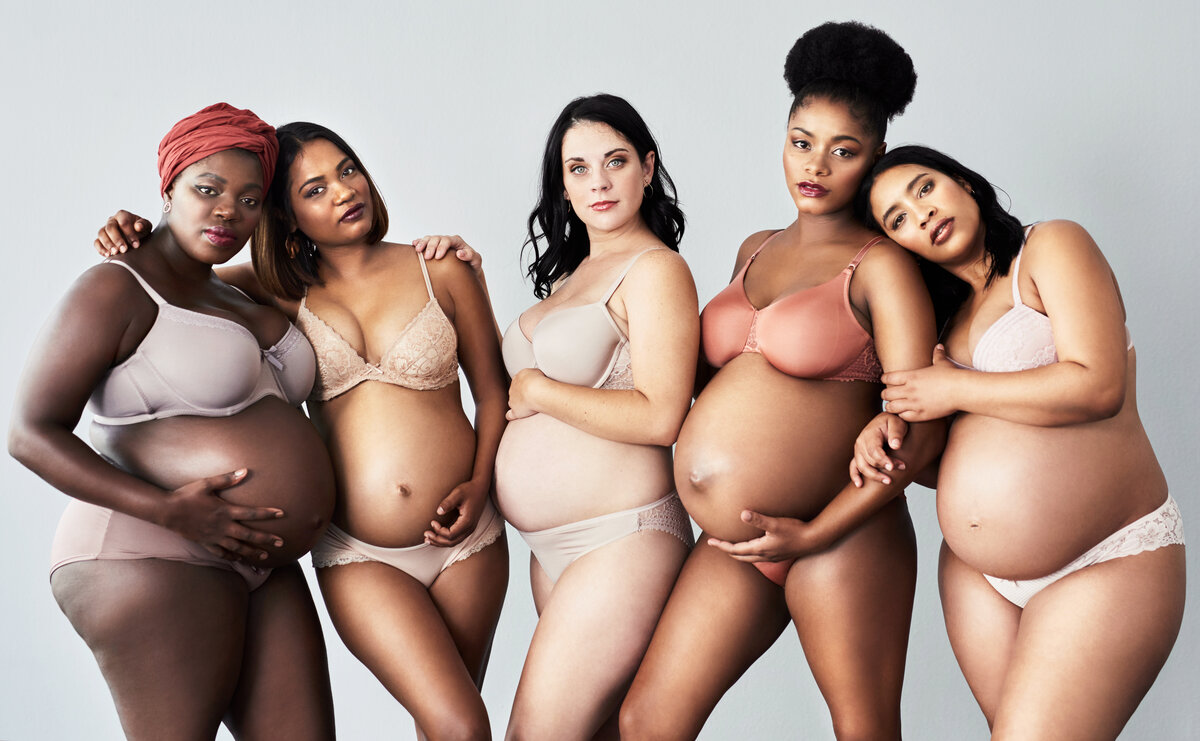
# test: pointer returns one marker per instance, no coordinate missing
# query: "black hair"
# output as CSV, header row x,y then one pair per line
x,y
855,64
553,220
1003,233
284,258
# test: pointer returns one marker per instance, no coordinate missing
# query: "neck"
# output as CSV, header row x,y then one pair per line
x,y
619,239
824,227
177,262
345,261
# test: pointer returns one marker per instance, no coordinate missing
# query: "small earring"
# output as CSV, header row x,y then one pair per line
x,y
167,207
290,244
649,187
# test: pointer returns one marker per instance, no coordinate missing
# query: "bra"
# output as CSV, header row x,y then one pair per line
x,y
191,363
811,333
423,357
579,345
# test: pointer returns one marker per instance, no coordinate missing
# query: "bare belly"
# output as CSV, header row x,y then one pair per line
x,y
288,465
1019,502
549,473
761,440
396,454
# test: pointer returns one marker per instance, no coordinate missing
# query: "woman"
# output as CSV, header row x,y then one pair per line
x,y
414,567
193,616
601,377
1072,524
760,457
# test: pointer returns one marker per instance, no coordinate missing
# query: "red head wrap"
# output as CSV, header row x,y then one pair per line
x,y
215,129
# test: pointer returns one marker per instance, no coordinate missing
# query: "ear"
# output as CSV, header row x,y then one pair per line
x,y
648,168
879,152
965,185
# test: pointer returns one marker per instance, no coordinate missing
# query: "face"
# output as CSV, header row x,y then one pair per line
x,y
928,212
329,195
602,176
826,155
215,205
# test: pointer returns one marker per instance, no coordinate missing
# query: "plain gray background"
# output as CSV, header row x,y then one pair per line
x,y
1079,110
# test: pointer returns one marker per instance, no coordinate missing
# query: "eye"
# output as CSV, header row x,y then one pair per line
x,y
251,202
898,220
843,152
314,191
925,188
801,144
207,190
578,170
350,170
616,162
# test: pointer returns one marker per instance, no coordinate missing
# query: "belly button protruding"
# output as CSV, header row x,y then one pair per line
x,y
402,490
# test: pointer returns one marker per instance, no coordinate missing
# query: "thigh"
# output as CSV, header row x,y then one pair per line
x,y
593,630
982,626
722,615
852,606
469,596
168,638
1089,647
284,689
389,622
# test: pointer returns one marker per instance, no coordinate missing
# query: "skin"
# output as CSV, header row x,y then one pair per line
x,y
409,467
596,619
756,466
1069,464
183,646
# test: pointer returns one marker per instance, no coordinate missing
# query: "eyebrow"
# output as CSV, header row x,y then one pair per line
x,y
306,183
214,176
607,154
911,184
839,138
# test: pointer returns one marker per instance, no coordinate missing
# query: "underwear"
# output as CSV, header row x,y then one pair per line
x,y
1160,528
811,333
579,345
423,357
87,532
557,548
423,562
202,365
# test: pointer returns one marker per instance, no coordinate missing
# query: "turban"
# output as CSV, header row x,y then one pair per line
x,y
215,129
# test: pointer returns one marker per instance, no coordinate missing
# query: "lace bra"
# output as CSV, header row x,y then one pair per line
x,y
191,363
423,357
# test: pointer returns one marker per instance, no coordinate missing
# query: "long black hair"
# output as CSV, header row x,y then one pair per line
x,y
553,221
1003,233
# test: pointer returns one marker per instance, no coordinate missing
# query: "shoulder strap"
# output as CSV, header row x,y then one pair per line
x,y
616,283
153,294
863,253
765,242
1016,269
425,273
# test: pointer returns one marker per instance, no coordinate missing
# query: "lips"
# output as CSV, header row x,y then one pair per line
x,y
603,205
354,213
220,236
812,190
942,231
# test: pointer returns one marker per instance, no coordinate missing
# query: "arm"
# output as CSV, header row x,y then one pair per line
x,y
659,298
871,460
101,323
479,354
890,287
1074,285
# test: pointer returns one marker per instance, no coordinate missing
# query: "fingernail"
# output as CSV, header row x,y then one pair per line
x,y
262,557
886,480
278,513
887,467
894,442
240,472
712,541
136,244
441,511
278,543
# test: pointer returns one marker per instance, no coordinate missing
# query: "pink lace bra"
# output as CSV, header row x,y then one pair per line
x,y
423,357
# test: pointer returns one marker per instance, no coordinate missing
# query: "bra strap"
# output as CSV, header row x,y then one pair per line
x,y
616,283
1016,269
425,272
863,253
153,294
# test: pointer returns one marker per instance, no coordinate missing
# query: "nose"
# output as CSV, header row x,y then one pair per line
x,y
600,180
817,164
343,192
929,212
226,209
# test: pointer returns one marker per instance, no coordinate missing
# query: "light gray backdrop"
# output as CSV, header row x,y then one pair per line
x,y
1079,110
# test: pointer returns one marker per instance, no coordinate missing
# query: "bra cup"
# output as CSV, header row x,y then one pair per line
x,y
724,327
577,345
210,372
820,345
516,351
299,372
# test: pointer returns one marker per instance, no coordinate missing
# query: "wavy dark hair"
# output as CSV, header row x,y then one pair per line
x,y
552,220
283,274
854,64
1003,233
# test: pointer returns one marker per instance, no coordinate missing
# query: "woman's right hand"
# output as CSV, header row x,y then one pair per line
x,y
886,431
121,232
197,512
435,247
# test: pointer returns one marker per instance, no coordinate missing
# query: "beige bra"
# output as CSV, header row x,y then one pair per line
x,y
423,357
580,345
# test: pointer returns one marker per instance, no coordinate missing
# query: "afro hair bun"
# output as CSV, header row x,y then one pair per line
x,y
856,54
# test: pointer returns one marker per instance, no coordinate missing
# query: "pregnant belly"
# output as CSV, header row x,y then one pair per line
x,y
287,462
549,473
1019,502
758,439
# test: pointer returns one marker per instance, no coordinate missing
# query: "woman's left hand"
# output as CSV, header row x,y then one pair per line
x,y
783,538
435,247
926,393
521,391
467,499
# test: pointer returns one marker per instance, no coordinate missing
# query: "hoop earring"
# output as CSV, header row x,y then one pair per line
x,y
648,191
291,244
167,207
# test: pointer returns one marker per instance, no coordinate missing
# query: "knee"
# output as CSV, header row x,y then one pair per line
x,y
866,727
638,720
465,727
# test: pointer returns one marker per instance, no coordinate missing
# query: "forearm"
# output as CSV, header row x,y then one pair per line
x,y
489,427
626,416
1054,395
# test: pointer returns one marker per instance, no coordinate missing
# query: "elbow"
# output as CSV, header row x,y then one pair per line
x,y
20,443
1105,401
664,429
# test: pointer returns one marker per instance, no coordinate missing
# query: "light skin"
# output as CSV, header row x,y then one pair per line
x,y
409,466
1075,662
743,443
181,646
596,619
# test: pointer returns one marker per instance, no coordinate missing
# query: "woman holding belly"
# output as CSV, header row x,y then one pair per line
x,y
414,566
176,597
601,373
796,343
1045,555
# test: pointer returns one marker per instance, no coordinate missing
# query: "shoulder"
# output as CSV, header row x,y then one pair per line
x,y
659,265
1058,245
108,286
449,269
887,259
752,243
